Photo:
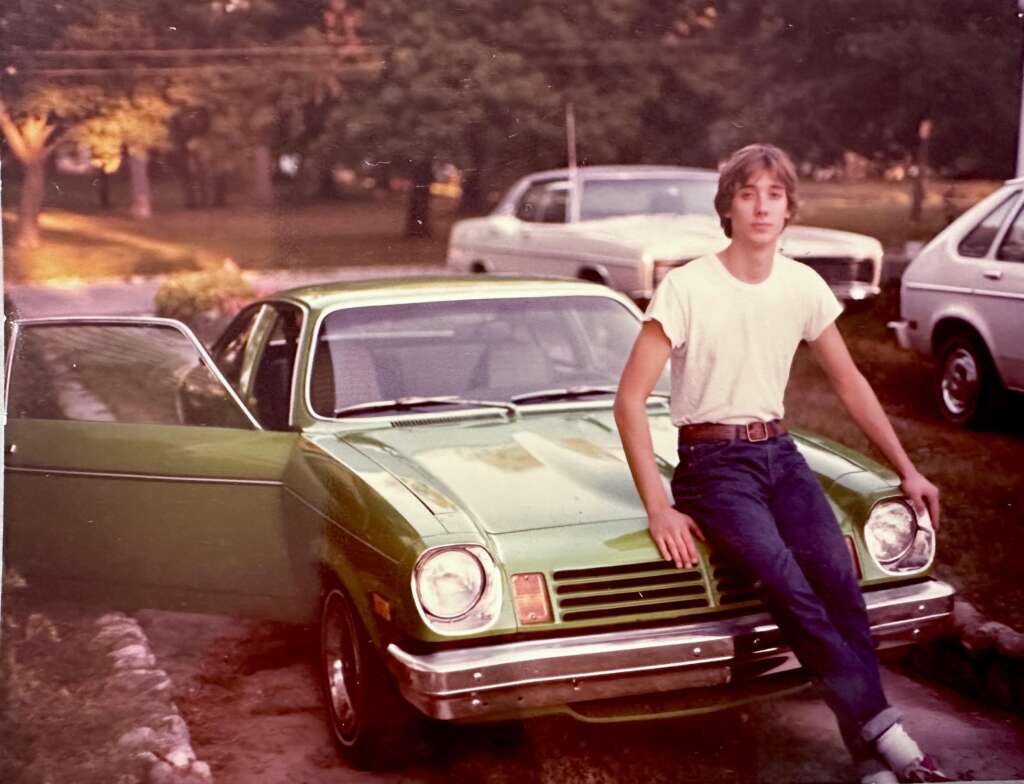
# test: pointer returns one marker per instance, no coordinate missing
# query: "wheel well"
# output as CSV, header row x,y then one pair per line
x,y
592,275
478,267
949,327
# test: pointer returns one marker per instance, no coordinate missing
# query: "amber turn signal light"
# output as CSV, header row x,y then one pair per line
x,y
530,595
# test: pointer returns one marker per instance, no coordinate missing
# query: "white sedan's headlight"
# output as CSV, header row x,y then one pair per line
x,y
457,589
898,539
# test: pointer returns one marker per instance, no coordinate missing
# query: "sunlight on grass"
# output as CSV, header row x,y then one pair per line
x,y
78,245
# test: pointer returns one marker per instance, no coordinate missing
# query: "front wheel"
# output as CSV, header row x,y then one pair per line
x,y
966,386
369,720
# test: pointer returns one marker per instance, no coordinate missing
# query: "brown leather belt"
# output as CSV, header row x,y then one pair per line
x,y
711,431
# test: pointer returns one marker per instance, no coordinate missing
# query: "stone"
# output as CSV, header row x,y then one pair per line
x,y
133,657
142,738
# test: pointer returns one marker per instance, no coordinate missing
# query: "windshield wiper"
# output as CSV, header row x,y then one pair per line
x,y
405,403
567,393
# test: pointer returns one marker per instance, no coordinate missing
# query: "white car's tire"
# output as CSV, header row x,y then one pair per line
x,y
966,386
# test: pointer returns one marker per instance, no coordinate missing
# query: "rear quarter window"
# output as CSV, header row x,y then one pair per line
x,y
978,240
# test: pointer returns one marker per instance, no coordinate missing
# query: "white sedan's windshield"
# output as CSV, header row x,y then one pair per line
x,y
488,349
612,197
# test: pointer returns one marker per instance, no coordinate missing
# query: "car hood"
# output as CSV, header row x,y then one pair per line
x,y
543,470
689,236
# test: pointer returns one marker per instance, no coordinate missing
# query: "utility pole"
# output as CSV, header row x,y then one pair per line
x,y
574,177
1020,125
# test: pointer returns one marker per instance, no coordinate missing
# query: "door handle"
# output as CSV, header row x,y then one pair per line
x,y
993,274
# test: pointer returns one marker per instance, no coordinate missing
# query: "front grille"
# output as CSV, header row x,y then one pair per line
x,y
841,269
655,589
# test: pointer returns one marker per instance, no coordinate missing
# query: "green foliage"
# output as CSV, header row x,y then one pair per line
x,y
835,75
188,296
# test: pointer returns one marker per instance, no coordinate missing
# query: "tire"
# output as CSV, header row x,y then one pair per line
x,y
372,725
966,386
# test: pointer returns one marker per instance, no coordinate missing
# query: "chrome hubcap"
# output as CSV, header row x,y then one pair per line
x,y
960,381
341,664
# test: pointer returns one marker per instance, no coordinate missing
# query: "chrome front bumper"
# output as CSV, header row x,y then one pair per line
x,y
501,679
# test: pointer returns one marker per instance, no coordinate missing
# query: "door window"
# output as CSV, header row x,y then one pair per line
x,y
270,394
138,372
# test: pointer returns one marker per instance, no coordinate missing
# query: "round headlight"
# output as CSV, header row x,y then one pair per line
x,y
449,583
890,531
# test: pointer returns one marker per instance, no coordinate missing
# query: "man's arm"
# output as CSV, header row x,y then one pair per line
x,y
670,529
859,398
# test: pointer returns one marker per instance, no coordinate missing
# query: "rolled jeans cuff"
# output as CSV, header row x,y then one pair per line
x,y
874,727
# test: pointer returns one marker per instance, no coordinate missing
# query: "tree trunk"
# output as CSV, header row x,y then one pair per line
x,y
472,199
138,168
262,175
104,188
220,189
33,188
417,218
920,185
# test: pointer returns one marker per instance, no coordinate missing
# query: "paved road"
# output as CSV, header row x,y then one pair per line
x,y
247,691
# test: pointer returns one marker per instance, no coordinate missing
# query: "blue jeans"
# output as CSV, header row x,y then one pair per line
x,y
761,507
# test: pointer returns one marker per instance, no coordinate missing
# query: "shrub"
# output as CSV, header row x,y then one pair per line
x,y
186,295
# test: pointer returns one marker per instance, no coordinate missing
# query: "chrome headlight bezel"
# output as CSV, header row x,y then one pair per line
x,y
481,612
913,555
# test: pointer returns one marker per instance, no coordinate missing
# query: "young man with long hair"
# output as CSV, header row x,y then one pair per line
x,y
731,323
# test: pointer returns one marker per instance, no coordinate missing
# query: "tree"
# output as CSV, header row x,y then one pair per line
x,y
35,111
859,75
485,86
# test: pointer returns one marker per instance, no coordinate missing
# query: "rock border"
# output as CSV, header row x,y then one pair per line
x,y
160,742
980,658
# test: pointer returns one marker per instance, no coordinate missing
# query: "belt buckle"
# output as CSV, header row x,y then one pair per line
x,y
750,434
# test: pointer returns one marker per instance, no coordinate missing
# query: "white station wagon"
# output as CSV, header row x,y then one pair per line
x,y
962,303
626,226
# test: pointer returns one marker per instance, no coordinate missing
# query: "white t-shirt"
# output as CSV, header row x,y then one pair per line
x,y
733,342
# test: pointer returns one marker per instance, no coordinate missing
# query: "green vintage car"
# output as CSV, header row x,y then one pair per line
x,y
429,469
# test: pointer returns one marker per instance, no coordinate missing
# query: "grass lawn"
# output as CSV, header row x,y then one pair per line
x,y
82,242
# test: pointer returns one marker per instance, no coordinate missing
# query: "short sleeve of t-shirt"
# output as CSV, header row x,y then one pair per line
x,y
825,308
666,308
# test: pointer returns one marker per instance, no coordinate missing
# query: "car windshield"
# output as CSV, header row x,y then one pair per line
x,y
606,198
473,350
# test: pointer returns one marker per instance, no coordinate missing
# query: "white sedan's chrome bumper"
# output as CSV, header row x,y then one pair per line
x,y
500,679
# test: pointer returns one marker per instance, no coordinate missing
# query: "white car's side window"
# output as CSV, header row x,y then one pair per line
x,y
543,202
110,372
978,240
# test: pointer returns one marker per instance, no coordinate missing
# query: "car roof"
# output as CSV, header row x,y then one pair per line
x,y
627,170
435,287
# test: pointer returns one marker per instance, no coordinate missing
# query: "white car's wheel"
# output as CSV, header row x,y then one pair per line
x,y
966,385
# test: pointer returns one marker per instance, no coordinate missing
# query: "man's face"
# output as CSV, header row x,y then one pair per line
x,y
759,209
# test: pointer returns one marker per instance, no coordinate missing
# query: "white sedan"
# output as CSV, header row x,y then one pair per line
x,y
626,226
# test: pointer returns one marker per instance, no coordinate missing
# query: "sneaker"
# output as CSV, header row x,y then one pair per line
x,y
923,769
903,756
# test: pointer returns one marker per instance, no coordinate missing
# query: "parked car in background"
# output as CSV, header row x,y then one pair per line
x,y
962,303
627,226
430,470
